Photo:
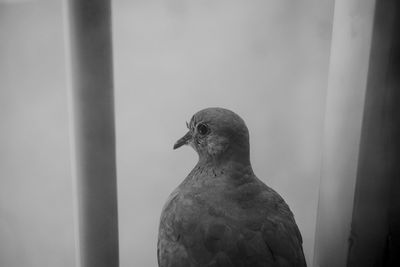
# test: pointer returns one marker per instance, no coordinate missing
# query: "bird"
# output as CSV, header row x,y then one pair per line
x,y
222,214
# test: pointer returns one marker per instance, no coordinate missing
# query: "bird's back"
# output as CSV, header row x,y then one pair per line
x,y
214,219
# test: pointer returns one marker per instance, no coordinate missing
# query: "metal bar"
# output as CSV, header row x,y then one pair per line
x,y
93,135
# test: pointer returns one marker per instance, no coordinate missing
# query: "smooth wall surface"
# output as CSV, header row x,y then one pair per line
x,y
36,223
266,60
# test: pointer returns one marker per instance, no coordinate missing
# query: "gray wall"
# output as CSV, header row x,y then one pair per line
x,y
266,60
36,225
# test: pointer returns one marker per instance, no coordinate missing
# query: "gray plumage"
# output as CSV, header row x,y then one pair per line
x,y
222,214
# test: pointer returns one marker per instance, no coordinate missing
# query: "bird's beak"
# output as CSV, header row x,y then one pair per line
x,y
184,140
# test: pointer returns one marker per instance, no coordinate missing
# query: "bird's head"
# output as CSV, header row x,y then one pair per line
x,y
218,135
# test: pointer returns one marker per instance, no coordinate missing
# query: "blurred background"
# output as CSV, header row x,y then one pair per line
x,y
266,60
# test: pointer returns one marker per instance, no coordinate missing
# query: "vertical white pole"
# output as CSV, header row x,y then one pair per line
x,y
92,109
347,82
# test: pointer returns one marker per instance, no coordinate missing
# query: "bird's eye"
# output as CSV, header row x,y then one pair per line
x,y
202,129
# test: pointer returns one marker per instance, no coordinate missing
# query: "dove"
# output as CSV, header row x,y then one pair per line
x,y
222,214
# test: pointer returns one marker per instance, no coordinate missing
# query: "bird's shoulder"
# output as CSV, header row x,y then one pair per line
x,y
247,221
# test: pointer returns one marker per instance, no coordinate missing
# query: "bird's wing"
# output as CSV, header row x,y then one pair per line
x,y
280,232
284,241
169,250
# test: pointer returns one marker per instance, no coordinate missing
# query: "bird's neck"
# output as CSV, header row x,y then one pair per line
x,y
234,164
